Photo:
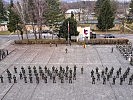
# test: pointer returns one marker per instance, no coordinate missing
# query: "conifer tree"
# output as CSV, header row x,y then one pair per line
x,y
106,16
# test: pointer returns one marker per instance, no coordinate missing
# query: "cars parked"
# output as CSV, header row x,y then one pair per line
x,y
109,36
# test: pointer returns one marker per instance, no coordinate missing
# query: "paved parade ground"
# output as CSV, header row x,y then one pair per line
x,y
81,89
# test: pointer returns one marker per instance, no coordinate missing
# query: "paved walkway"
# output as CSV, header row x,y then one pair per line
x,y
81,89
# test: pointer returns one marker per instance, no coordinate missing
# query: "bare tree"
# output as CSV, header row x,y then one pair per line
x,y
41,7
21,10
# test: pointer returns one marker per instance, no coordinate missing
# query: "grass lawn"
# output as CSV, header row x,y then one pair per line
x,y
5,33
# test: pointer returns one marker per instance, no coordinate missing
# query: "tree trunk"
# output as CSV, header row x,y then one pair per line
x,y
33,27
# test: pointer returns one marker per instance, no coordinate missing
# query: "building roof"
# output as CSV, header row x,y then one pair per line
x,y
75,11
96,22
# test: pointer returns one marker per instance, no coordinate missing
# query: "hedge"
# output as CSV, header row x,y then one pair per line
x,y
40,41
63,41
106,41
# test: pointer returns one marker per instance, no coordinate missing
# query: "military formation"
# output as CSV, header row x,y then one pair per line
x,y
3,53
109,75
34,74
126,50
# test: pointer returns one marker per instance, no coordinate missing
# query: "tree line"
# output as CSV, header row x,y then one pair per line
x,y
50,13
33,12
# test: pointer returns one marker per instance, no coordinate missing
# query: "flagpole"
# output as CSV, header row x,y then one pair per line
x,y
68,32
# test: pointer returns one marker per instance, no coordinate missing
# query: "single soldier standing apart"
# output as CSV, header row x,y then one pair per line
x,y
1,78
66,50
112,49
82,70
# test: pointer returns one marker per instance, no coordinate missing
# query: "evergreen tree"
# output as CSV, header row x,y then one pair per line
x,y
70,24
54,14
131,7
98,5
106,16
2,12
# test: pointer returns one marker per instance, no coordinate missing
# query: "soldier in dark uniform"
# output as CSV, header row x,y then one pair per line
x,y
29,67
102,73
62,78
37,79
30,77
53,69
112,50
63,71
70,78
20,74
104,80
114,78
43,75
93,80
15,69
121,80
66,50
40,71
22,68
110,73
50,74
10,75
67,68
120,70
34,67
36,74
35,71
60,68
97,70
54,76
112,70
56,71
66,75
9,79
128,69
98,77
74,75
108,76
92,73
1,78
45,69
106,70
132,76
75,68
40,67
14,78
7,52
124,77
70,71
130,81
117,74
30,71
7,71
82,70
25,78
23,72
45,79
